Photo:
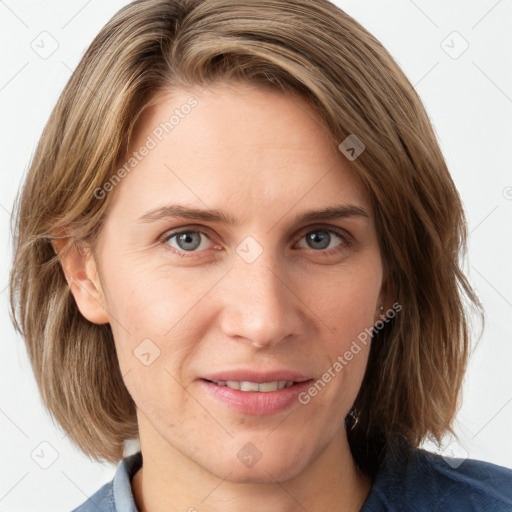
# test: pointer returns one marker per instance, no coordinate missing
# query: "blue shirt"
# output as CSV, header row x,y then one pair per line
x,y
431,483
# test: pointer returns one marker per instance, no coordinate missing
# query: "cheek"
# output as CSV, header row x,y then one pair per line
x,y
155,336
343,354
347,302
157,314
149,300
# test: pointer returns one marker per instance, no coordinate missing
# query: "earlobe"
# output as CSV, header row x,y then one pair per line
x,y
80,270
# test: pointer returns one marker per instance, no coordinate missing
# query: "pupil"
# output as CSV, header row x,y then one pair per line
x,y
188,241
319,239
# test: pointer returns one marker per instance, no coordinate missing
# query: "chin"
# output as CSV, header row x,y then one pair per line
x,y
263,474
253,467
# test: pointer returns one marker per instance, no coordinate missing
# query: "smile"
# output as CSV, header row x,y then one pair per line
x,y
261,387
255,398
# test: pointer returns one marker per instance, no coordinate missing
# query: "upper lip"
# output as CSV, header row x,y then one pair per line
x,y
257,376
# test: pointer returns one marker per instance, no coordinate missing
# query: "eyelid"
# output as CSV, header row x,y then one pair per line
x,y
207,231
192,227
346,236
343,233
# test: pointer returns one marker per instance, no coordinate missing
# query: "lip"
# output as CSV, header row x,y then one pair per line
x,y
255,376
253,402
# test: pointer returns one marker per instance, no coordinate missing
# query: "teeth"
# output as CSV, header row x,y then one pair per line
x,y
263,387
248,386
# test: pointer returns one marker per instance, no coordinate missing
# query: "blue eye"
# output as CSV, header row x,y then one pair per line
x,y
188,241
195,241
320,239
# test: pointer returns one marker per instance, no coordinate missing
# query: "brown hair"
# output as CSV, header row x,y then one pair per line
x,y
416,363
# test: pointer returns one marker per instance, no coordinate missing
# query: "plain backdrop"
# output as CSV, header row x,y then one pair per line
x,y
457,54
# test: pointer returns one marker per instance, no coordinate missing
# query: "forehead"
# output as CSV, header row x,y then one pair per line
x,y
235,146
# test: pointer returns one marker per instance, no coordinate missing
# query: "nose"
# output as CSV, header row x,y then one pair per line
x,y
260,306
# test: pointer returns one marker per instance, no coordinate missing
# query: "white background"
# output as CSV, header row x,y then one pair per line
x,y
469,99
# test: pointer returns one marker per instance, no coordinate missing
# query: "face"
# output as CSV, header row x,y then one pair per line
x,y
240,252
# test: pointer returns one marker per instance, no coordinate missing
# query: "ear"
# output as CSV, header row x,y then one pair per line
x,y
82,276
386,297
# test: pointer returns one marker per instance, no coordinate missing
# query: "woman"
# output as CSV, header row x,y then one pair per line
x,y
239,243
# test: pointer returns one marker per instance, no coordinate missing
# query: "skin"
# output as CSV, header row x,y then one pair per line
x,y
262,157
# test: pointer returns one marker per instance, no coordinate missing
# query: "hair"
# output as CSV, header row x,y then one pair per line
x,y
411,388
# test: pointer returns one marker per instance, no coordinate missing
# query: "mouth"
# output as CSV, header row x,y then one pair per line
x,y
258,387
256,397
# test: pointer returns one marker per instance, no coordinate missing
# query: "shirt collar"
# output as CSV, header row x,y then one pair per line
x,y
123,496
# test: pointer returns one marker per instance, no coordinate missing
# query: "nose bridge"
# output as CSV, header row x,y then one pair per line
x,y
258,304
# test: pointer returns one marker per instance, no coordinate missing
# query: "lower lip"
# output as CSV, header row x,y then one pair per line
x,y
257,402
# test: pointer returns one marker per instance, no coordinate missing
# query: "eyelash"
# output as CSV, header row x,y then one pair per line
x,y
345,238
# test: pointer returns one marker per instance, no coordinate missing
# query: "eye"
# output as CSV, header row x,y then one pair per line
x,y
320,239
188,241
191,241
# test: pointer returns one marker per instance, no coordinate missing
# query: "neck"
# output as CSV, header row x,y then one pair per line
x,y
171,481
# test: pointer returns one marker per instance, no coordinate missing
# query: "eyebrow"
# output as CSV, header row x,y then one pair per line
x,y
219,216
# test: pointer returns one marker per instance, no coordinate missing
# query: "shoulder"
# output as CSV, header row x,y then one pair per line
x,y
116,496
101,501
426,481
